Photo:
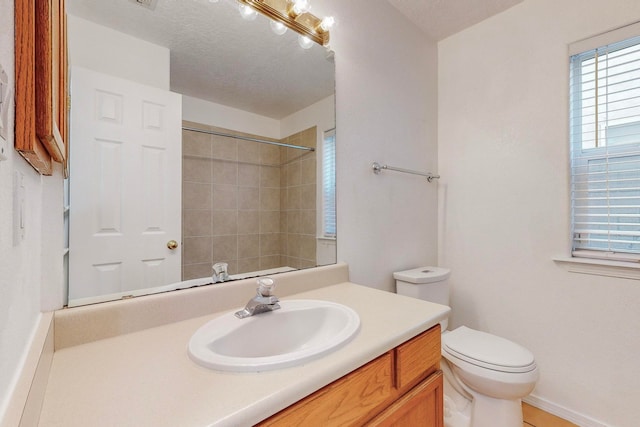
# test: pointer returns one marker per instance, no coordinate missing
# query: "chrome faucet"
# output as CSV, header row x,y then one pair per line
x,y
220,272
263,301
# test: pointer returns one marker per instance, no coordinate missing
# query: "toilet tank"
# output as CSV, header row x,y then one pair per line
x,y
425,283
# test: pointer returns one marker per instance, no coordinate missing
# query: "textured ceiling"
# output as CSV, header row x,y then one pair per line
x,y
218,56
441,18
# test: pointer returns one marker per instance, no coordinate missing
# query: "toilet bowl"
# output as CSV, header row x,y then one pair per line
x,y
486,376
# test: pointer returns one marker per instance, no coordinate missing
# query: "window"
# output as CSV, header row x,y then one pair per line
x,y
605,151
329,184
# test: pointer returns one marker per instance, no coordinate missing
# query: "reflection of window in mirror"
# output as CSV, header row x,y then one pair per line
x,y
329,184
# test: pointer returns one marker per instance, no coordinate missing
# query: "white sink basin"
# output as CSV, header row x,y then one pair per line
x,y
298,332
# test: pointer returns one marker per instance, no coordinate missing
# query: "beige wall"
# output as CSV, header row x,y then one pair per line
x,y
503,157
248,204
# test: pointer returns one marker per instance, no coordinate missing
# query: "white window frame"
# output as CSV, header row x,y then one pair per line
x,y
329,223
597,231
601,263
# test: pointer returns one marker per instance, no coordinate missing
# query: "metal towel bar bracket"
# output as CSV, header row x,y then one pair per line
x,y
377,168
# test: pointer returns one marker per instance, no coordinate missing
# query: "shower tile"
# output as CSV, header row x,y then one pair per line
x,y
248,198
224,148
307,196
293,174
269,154
269,221
269,176
196,223
270,262
197,250
306,263
293,198
290,262
270,199
293,222
196,271
269,244
225,196
293,245
196,144
308,171
248,246
308,222
248,222
225,172
225,248
225,222
307,247
249,152
249,175
196,170
196,196
246,265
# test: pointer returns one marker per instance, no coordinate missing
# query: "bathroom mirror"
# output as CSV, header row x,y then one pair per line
x,y
256,207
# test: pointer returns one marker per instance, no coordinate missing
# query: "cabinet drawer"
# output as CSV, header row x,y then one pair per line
x,y
345,401
418,358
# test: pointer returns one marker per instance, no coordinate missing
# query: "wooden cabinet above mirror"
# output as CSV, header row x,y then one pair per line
x,y
41,82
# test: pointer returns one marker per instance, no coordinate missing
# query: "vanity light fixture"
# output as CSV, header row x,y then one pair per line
x,y
278,27
247,12
305,42
294,14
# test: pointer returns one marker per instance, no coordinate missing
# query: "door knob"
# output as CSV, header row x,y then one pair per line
x,y
172,244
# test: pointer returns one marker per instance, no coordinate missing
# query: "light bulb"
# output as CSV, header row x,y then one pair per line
x,y
305,42
327,23
278,27
300,7
247,12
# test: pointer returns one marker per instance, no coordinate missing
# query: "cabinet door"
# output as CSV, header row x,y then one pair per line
x,y
420,407
345,402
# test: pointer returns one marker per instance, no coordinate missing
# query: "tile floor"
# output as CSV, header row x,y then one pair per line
x,y
538,418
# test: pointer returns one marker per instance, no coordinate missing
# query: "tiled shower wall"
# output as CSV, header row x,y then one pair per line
x,y
243,203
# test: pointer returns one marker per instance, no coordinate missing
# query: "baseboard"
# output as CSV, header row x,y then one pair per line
x,y
25,402
562,412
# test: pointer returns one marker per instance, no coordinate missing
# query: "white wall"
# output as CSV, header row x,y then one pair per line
x,y
117,54
386,101
210,113
31,272
503,157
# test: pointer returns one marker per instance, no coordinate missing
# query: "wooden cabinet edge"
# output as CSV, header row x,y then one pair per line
x,y
29,31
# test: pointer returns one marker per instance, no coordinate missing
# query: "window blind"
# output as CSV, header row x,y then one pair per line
x,y
605,150
329,184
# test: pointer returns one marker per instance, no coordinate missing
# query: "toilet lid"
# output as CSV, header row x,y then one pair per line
x,y
487,351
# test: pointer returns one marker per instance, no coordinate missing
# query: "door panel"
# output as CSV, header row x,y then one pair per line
x,y
125,186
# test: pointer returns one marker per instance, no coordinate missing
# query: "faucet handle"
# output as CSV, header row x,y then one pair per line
x,y
266,285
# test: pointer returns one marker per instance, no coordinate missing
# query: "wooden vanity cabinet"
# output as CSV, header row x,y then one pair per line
x,y
402,387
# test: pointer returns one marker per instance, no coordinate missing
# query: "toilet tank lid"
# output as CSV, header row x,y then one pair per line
x,y
423,275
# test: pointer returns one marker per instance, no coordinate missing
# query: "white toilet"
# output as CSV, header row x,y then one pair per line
x,y
485,376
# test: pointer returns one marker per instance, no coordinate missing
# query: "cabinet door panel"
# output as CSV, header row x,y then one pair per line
x,y
420,407
344,402
418,358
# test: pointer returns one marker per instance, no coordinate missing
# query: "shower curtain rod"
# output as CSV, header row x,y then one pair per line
x,y
246,138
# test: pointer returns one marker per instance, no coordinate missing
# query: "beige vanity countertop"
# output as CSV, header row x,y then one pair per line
x,y
146,378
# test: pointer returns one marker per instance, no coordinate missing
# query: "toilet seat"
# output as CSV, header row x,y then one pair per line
x,y
487,351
